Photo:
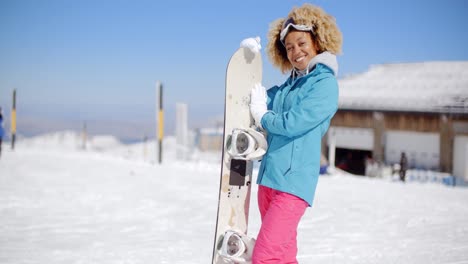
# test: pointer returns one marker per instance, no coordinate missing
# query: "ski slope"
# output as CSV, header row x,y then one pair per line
x,y
111,204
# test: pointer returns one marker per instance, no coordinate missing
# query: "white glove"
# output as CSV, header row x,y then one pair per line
x,y
258,106
251,43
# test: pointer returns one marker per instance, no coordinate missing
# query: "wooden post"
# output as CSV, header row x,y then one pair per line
x,y
446,143
379,132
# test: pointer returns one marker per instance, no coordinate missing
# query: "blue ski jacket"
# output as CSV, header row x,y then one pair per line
x,y
300,111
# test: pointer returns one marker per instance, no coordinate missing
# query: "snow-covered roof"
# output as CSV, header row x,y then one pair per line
x,y
440,87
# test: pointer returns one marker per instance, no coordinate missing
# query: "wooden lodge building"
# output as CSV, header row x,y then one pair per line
x,y
417,108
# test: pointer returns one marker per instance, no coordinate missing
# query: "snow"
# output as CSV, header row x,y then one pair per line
x,y
438,86
60,203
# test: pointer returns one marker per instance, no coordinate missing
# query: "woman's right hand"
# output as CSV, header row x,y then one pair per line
x,y
258,103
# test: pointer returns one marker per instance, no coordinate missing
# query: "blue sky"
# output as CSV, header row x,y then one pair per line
x,y
98,61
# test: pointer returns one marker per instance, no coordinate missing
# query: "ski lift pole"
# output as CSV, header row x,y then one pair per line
x,y
160,118
13,121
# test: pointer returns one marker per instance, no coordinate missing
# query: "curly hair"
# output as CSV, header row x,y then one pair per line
x,y
326,34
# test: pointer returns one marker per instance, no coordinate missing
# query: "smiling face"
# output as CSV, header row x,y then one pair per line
x,y
300,48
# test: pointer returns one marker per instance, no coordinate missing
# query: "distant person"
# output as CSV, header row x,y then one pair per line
x,y
403,166
296,115
323,165
2,131
372,167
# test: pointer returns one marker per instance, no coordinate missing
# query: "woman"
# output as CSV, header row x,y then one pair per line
x,y
296,115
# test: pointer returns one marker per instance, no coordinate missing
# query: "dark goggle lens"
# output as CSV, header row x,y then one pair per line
x,y
287,22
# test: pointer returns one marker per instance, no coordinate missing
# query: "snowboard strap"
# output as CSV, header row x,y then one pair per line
x,y
236,248
233,246
246,144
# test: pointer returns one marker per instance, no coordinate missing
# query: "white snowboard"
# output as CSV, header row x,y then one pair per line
x,y
243,72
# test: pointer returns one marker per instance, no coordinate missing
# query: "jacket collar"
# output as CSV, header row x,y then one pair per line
x,y
326,58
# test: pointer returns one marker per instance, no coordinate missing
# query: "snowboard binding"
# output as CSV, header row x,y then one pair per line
x,y
235,248
246,144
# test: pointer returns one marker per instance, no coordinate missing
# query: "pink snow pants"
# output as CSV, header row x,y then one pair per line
x,y
280,213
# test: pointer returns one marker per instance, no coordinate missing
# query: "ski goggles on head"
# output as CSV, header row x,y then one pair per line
x,y
288,24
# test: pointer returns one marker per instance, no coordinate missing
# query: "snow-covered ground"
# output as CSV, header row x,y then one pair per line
x,y
111,203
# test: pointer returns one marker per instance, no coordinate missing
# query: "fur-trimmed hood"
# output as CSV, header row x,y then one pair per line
x,y
326,34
